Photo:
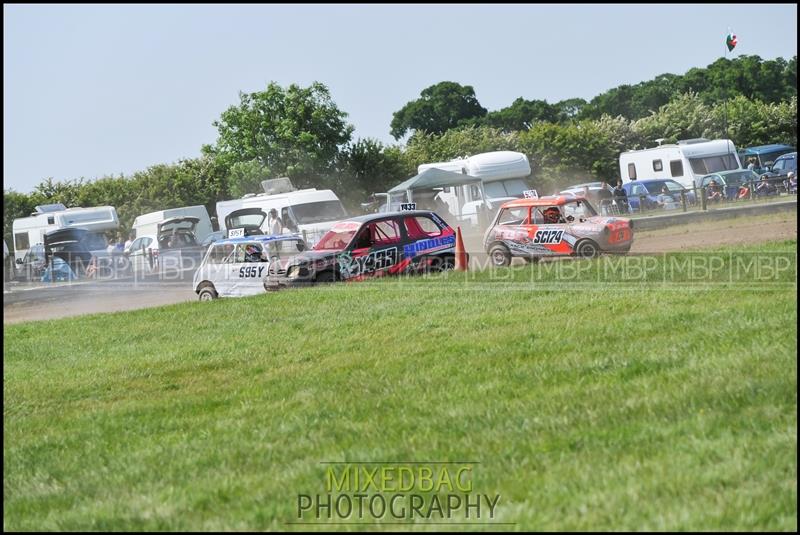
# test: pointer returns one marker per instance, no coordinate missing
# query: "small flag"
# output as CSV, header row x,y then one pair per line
x,y
731,41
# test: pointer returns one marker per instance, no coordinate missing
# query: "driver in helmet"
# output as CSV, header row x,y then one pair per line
x,y
552,215
252,253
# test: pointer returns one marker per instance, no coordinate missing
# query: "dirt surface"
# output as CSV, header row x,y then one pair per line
x,y
738,231
25,302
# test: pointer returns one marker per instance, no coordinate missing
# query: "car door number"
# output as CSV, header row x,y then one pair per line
x,y
250,271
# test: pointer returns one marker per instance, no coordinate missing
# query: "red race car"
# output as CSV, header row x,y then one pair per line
x,y
554,226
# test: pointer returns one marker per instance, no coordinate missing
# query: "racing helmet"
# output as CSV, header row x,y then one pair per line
x,y
551,215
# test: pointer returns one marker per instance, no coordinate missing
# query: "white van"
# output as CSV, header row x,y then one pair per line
x,y
148,224
30,231
505,176
686,162
308,212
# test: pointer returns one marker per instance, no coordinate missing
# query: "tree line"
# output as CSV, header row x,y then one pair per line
x,y
301,133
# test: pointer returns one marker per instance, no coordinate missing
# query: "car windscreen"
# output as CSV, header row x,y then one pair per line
x,y
739,178
285,248
318,212
580,209
654,188
245,220
338,237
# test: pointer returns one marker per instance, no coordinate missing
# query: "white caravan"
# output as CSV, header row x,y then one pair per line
x,y
30,231
686,162
148,224
308,212
505,176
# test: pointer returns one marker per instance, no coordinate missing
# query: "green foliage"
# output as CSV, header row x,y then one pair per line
x,y
440,107
521,115
769,81
685,117
295,132
367,166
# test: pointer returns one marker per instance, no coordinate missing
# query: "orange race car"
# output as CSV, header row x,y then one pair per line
x,y
554,226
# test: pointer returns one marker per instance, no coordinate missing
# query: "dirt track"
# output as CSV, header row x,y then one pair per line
x,y
75,299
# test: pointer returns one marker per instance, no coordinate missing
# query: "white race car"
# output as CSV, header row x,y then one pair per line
x,y
235,267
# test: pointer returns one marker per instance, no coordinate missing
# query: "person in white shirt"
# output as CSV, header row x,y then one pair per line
x,y
274,223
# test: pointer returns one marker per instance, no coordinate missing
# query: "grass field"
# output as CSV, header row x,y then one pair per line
x,y
588,404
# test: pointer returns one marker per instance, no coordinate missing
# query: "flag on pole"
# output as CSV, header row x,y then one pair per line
x,y
731,41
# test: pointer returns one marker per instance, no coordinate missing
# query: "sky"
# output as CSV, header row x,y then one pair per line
x,y
97,90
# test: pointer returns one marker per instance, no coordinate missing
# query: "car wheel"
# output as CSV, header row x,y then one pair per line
x,y
207,293
440,264
326,277
500,255
587,249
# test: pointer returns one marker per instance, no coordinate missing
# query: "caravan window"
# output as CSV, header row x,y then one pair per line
x,y
632,171
21,241
657,165
676,168
713,164
318,212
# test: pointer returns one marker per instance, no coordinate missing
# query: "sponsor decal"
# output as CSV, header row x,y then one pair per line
x,y
350,266
250,271
548,237
432,244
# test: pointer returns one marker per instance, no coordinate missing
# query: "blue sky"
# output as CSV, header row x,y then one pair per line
x,y
97,90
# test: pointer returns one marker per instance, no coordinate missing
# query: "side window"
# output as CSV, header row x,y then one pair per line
x,y
385,232
632,171
21,241
146,242
514,216
676,168
136,245
779,165
421,227
657,165
638,189
221,254
51,220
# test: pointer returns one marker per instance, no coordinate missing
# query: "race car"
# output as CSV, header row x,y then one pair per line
x,y
239,266
565,225
374,245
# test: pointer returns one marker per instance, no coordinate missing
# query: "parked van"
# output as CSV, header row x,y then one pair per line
x,y
687,162
764,155
309,212
505,175
148,224
30,231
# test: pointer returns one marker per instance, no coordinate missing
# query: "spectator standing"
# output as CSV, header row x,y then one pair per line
x,y
621,198
714,194
274,223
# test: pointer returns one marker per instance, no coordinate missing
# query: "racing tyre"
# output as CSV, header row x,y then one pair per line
x,y
500,255
326,277
207,293
441,264
587,249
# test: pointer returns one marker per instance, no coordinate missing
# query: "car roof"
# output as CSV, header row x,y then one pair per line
x,y
383,215
543,201
786,156
766,148
261,238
